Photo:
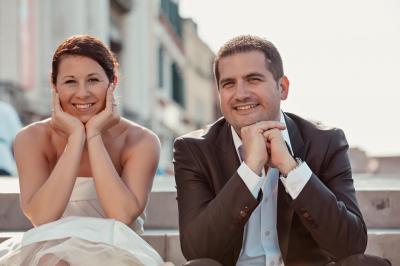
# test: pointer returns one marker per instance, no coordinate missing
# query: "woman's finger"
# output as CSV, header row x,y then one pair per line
x,y
57,105
53,100
109,97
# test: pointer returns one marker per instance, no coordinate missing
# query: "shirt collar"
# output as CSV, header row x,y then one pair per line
x,y
238,142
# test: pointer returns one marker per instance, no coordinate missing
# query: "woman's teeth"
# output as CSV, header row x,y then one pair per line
x,y
83,106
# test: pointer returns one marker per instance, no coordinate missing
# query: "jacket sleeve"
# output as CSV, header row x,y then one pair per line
x,y
327,205
210,224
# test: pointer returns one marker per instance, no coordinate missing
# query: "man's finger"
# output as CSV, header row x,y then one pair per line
x,y
267,125
274,132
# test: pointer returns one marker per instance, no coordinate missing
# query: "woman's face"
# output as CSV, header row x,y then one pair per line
x,y
82,86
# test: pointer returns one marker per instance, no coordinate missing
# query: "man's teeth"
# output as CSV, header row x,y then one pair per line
x,y
83,106
246,107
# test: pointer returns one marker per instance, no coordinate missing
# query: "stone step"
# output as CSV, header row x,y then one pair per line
x,y
384,243
381,242
162,210
377,197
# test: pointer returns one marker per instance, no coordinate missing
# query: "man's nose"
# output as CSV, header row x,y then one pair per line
x,y
242,91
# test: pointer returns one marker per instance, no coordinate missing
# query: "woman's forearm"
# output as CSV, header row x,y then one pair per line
x,y
49,202
117,201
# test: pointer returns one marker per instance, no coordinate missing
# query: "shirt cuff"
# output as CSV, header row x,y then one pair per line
x,y
251,179
296,179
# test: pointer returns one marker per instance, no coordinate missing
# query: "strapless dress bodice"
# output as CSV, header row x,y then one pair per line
x,y
84,202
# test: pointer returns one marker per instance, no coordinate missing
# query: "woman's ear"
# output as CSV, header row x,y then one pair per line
x,y
115,81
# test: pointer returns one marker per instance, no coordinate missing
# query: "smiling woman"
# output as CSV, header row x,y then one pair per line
x,y
82,70
81,166
82,87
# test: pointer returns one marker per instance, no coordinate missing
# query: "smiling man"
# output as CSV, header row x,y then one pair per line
x,y
261,186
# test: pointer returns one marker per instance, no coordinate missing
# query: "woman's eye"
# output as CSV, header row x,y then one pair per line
x,y
91,80
70,81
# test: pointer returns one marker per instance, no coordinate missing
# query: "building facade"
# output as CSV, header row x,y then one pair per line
x,y
156,85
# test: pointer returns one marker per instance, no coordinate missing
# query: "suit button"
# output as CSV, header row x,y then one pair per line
x,y
243,214
302,210
246,209
306,215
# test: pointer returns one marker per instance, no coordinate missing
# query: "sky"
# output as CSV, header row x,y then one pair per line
x,y
342,58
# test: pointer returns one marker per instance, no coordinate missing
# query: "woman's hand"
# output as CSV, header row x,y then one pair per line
x,y
106,118
67,123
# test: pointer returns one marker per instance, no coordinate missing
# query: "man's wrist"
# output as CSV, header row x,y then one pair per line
x,y
255,167
292,164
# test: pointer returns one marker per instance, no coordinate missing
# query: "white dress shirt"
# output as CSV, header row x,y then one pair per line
x,y
260,239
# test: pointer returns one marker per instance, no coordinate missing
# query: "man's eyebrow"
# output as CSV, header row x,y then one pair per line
x,y
254,74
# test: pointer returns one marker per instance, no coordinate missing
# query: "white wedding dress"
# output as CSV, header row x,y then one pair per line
x,y
83,237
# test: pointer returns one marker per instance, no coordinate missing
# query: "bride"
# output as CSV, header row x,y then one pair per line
x,y
85,173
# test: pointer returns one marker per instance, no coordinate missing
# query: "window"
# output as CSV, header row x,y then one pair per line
x,y
160,67
177,85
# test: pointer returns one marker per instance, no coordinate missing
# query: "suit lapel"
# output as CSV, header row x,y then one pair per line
x,y
285,212
226,153
229,163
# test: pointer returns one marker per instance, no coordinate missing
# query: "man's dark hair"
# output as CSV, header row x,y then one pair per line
x,y
248,43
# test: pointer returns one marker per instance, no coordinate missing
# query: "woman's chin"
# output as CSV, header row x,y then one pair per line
x,y
84,118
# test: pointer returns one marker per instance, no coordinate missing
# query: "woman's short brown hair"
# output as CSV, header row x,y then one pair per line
x,y
89,46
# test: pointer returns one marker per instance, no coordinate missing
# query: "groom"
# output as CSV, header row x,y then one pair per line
x,y
261,186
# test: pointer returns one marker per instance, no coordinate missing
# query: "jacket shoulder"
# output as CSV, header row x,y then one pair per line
x,y
207,134
314,128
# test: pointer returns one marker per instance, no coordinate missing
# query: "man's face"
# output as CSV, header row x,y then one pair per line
x,y
248,92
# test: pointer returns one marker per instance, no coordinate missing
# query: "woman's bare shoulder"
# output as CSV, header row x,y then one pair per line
x,y
139,141
35,133
137,134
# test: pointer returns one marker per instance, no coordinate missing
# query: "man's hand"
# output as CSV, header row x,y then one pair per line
x,y
279,154
63,121
106,118
255,150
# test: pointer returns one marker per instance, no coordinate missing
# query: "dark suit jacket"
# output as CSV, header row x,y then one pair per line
x,y
322,224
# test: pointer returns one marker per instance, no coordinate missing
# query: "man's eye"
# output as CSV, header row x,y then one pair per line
x,y
254,79
227,84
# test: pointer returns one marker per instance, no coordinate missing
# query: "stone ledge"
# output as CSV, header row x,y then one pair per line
x,y
379,206
380,210
381,242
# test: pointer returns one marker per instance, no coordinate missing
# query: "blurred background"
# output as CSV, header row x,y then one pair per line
x,y
341,57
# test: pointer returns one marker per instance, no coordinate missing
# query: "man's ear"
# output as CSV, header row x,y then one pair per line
x,y
284,87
